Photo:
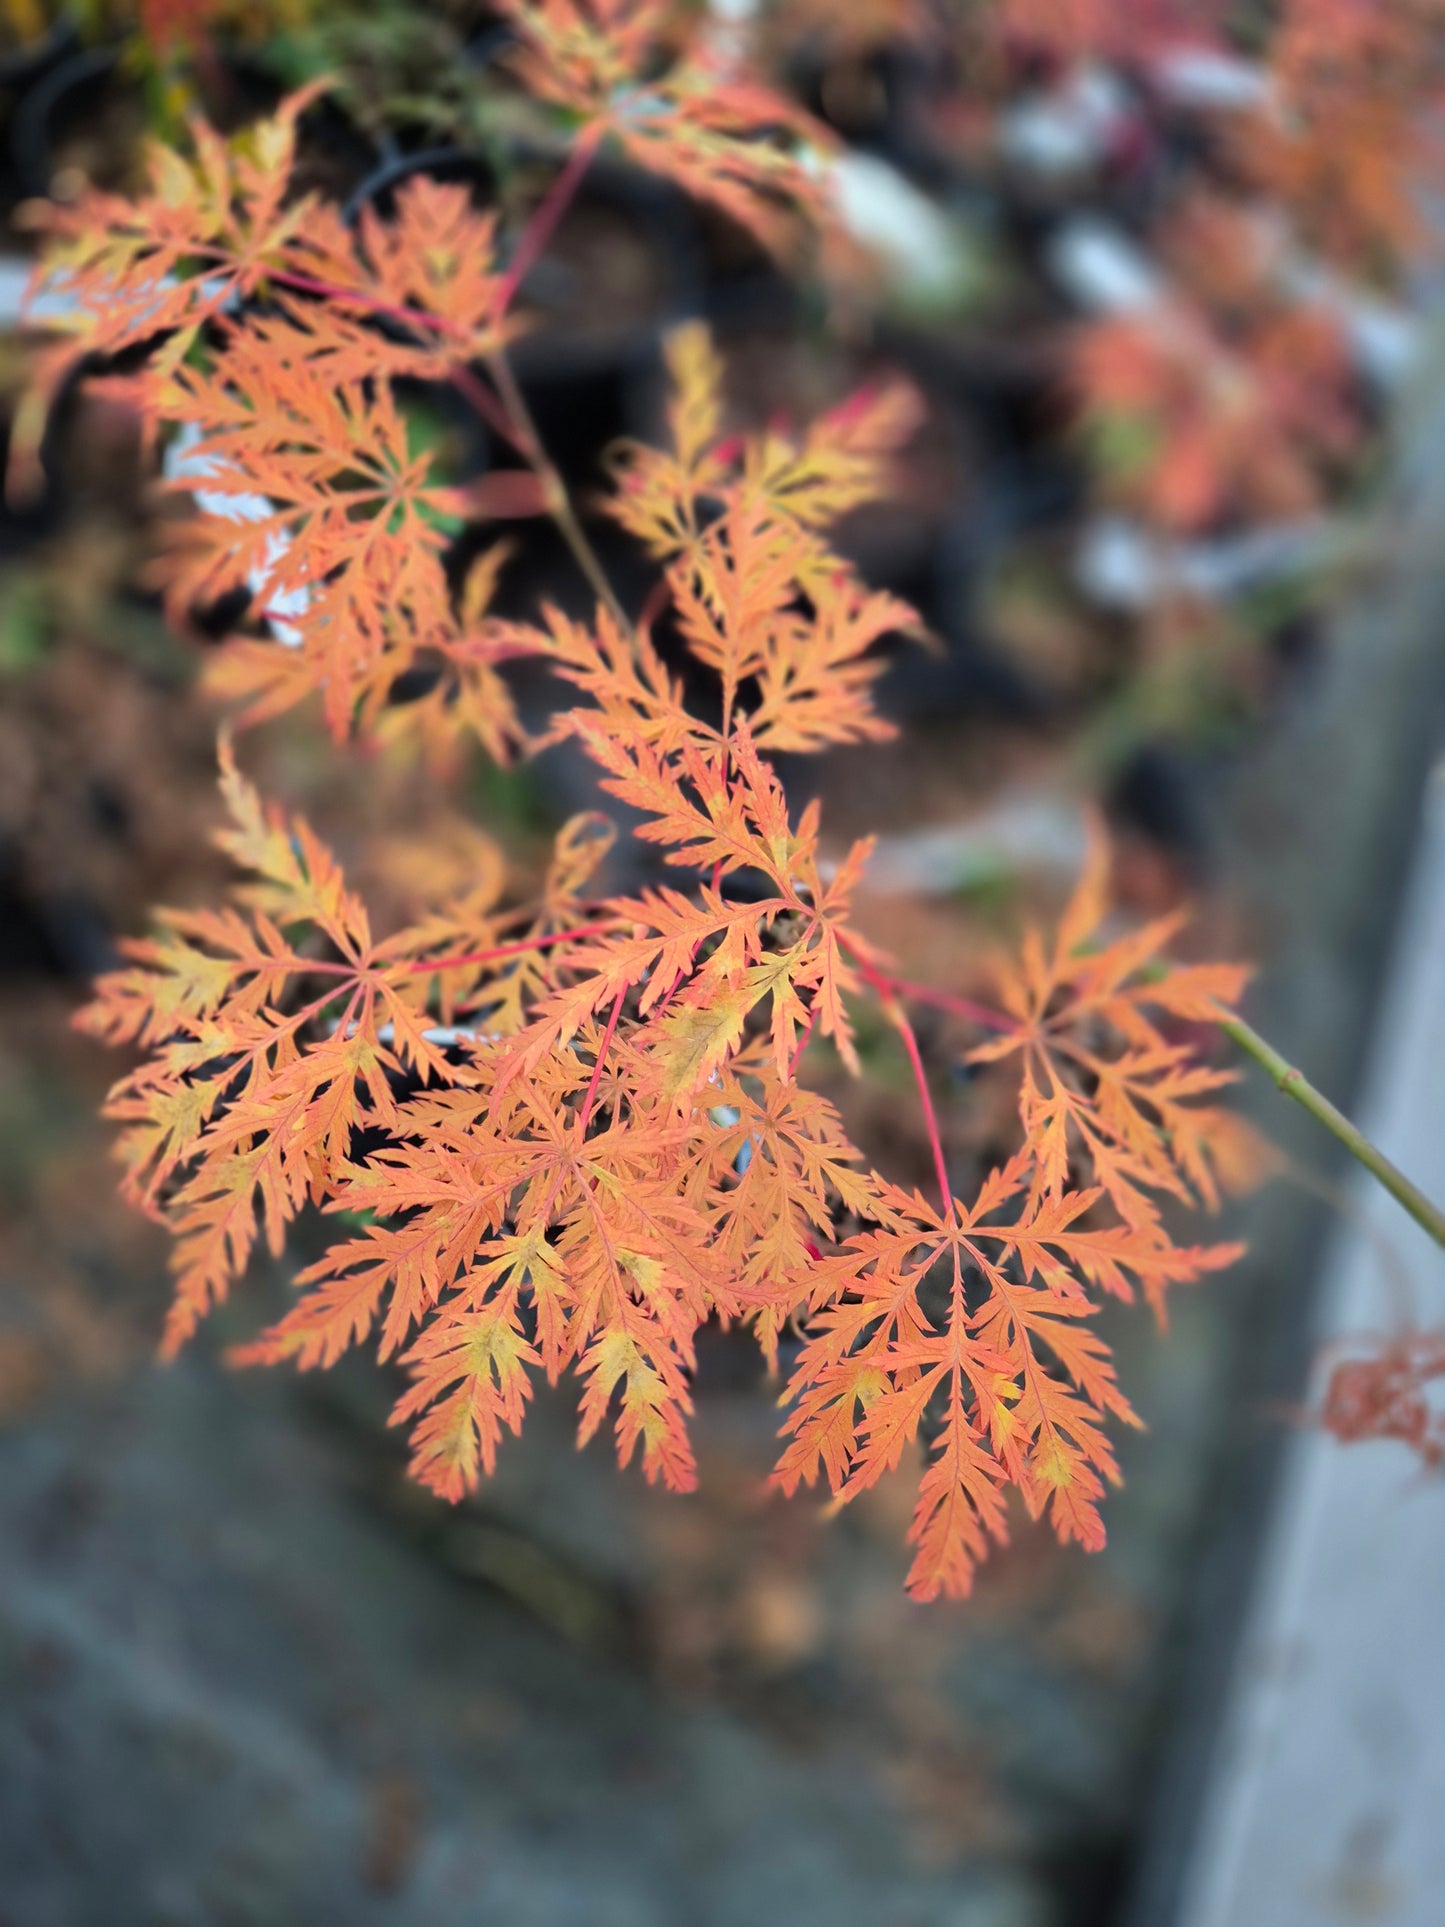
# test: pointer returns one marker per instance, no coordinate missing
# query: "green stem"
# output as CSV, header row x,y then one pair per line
x,y
1295,1084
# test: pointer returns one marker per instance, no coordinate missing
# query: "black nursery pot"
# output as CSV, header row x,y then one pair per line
x,y
378,188
21,66
69,96
85,93
59,937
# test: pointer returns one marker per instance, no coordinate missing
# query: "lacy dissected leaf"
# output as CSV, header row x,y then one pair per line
x,y
273,1027
312,488
705,963
780,1166
516,1239
841,460
277,1028
1104,1086
497,983
679,111
354,654
313,495
429,269
352,514
1390,1389
969,1329
758,595
219,229
631,692
805,482
812,664
209,233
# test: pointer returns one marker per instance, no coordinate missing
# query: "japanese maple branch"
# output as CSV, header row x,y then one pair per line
x,y
804,1039
523,429
1295,1084
925,1097
591,1098
508,413
472,391
559,502
553,205
886,985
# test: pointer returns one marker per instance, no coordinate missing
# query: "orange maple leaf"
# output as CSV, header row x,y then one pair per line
x,y
1014,1392
1102,1086
678,110
243,1100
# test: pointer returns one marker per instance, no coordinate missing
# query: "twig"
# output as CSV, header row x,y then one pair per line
x,y
553,205
804,1040
1295,1084
559,502
930,1116
509,414
602,1050
886,985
